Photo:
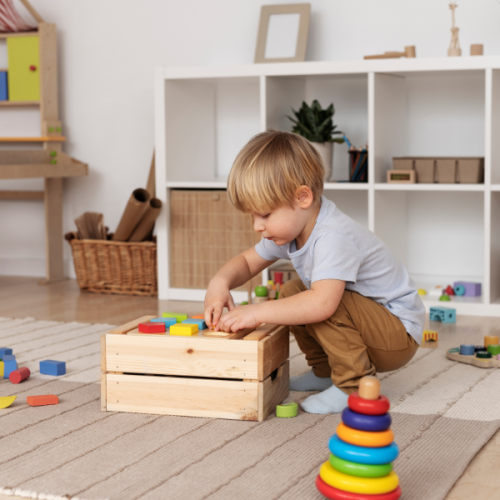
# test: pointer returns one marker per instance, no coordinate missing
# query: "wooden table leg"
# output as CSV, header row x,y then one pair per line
x,y
54,230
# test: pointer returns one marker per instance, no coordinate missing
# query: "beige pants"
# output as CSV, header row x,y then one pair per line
x,y
361,338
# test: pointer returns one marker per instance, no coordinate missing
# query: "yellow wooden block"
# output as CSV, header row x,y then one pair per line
x,y
1,369
7,401
24,68
184,329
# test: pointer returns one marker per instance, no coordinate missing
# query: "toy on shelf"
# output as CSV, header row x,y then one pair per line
x,y
409,52
269,292
443,314
51,367
476,49
449,290
401,177
435,292
422,292
467,288
454,49
362,450
444,298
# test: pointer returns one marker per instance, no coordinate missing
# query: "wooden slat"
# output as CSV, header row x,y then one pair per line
x,y
104,405
19,103
33,171
274,350
19,33
183,396
240,334
22,195
182,356
274,392
32,11
261,332
33,139
103,352
131,324
49,106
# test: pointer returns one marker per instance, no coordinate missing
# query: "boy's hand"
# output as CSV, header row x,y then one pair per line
x,y
239,318
217,297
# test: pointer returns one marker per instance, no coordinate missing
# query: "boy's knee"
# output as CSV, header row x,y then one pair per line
x,y
291,287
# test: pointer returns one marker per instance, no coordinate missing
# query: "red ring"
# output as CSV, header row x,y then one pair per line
x,y
378,406
336,494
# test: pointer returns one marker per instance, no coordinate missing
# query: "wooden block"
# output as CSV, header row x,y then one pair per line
x,y
260,332
17,376
430,335
491,340
193,321
198,316
6,401
104,394
47,399
168,322
52,367
152,327
184,329
369,388
178,316
131,325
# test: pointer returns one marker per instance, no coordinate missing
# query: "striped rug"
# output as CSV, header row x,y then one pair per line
x,y
443,412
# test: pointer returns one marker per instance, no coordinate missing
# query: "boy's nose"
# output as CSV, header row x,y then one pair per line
x,y
258,226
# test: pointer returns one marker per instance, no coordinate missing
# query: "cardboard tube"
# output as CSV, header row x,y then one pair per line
x,y
136,206
146,224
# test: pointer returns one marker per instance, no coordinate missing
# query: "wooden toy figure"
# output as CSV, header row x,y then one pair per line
x,y
362,450
454,49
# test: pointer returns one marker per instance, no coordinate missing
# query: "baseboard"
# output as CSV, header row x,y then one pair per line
x,y
31,267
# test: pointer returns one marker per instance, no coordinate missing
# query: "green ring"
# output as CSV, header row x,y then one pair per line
x,y
483,355
360,470
287,410
454,350
494,349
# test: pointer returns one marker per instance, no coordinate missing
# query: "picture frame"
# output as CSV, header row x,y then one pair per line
x,y
283,31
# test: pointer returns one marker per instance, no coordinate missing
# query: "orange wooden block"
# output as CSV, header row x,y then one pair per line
x,y
199,316
430,335
47,399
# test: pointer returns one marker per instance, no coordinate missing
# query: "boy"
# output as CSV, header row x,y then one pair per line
x,y
354,312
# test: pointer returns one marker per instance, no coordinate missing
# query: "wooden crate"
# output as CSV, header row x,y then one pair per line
x,y
240,376
206,232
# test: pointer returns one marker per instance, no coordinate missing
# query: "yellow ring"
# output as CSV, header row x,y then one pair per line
x,y
354,484
364,438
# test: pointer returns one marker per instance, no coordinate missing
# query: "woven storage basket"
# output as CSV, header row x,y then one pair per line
x,y
115,267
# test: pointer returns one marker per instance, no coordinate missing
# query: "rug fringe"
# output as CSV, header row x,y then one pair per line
x,y
18,492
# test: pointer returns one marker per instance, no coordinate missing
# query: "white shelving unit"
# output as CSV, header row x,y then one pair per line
x,y
440,107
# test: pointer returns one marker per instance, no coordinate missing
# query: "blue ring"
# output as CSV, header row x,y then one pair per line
x,y
459,290
370,423
362,455
467,350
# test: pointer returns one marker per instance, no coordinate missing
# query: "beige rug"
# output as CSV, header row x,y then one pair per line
x,y
443,412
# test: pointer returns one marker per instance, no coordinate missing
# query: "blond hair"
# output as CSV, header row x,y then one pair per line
x,y
270,168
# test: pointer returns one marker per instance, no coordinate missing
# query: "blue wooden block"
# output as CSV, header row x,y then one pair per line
x,y
4,351
9,357
9,366
4,94
443,314
200,322
51,367
168,321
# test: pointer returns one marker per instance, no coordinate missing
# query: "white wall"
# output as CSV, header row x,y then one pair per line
x,y
109,48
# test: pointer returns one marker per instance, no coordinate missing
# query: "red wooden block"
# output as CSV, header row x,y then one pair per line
x,y
449,290
152,327
19,375
199,316
47,399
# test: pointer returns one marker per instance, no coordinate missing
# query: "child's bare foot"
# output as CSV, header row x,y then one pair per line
x,y
332,400
310,382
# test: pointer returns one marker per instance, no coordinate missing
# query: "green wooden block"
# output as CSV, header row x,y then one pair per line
x,y
180,317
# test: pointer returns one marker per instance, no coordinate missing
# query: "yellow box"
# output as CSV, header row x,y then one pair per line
x,y
24,68
184,329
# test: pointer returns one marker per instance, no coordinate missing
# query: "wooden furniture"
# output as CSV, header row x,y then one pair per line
x,y
409,51
32,75
454,48
404,107
241,376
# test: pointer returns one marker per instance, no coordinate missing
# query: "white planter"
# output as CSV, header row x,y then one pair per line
x,y
325,150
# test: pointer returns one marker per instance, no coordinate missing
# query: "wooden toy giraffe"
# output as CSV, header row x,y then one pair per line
x,y
454,49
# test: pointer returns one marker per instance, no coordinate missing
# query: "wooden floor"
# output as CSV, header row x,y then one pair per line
x,y
21,297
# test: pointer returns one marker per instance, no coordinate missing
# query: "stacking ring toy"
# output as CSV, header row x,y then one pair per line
x,y
334,494
287,410
370,423
362,455
361,470
368,406
363,438
467,350
365,485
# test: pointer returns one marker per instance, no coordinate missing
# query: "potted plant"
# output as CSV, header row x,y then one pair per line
x,y
316,125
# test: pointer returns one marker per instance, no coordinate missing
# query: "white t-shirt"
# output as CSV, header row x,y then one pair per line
x,y
340,248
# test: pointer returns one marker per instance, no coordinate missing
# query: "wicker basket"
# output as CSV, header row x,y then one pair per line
x,y
115,267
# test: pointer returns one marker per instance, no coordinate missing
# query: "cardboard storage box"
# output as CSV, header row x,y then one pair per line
x,y
240,376
470,170
446,170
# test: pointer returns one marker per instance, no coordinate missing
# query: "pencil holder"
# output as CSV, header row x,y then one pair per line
x,y
358,166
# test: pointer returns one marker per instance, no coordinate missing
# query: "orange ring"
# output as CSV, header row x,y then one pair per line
x,y
364,438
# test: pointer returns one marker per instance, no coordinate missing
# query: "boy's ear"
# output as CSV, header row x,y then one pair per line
x,y
304,197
